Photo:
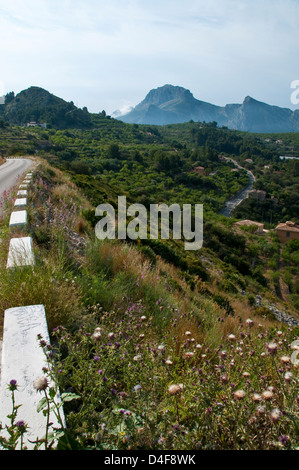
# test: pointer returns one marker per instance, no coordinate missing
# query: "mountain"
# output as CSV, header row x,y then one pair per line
x,y
38,105
173,104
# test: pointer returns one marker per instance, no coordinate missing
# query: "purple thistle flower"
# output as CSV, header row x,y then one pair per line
x,y
284,440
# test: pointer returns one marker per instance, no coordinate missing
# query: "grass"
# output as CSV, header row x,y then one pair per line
x,y
139,390
152,360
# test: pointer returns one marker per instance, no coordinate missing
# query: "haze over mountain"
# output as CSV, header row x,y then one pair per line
x,y
173,104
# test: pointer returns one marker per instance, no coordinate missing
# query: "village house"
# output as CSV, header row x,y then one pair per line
x,y
36,124
251,223
200,170
287,231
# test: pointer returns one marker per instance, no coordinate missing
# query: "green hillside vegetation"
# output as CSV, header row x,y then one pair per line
x,y
139,312
156,347
40,106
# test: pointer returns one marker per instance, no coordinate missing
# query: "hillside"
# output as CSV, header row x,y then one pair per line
x,y
38,105
165,105
171,104
155,347
148,354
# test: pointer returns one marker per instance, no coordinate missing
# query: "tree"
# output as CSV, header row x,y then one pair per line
x,y
9,97
113,151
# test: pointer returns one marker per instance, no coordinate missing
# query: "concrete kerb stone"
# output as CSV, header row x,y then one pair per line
x,y
18,219
22,193
20,253
20,203
23,360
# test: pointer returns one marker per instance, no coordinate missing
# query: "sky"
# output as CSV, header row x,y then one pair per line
x,y
108,54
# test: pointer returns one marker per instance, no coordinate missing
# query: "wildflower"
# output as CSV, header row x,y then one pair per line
x,y
249,322
288,376
285,359
136,388
188,333
175,389
224,378
267,395
169,362
110,335
143,318
239,394
272,348
231,337
275,415
246,374
198,346
256,397
136,358
97,334
188,355
260,410
21,425
284,440
41,384
12,385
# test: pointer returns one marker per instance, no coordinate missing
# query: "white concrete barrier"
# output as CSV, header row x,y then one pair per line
x,y
20,203
20,253
23,360
22,193
18,219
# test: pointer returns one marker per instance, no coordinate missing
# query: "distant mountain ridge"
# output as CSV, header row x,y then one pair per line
x,y
173,104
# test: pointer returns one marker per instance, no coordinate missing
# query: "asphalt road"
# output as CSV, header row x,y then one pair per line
x,y
10,172
232,203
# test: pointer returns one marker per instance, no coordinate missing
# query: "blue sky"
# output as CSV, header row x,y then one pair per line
x,y
109,54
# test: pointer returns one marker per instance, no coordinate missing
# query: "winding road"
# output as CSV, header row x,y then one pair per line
x,y
232,203
10,171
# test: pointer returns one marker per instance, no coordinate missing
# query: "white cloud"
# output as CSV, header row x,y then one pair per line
x,y
103,51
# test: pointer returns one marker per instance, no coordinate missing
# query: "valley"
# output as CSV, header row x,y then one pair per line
x,y
155,346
